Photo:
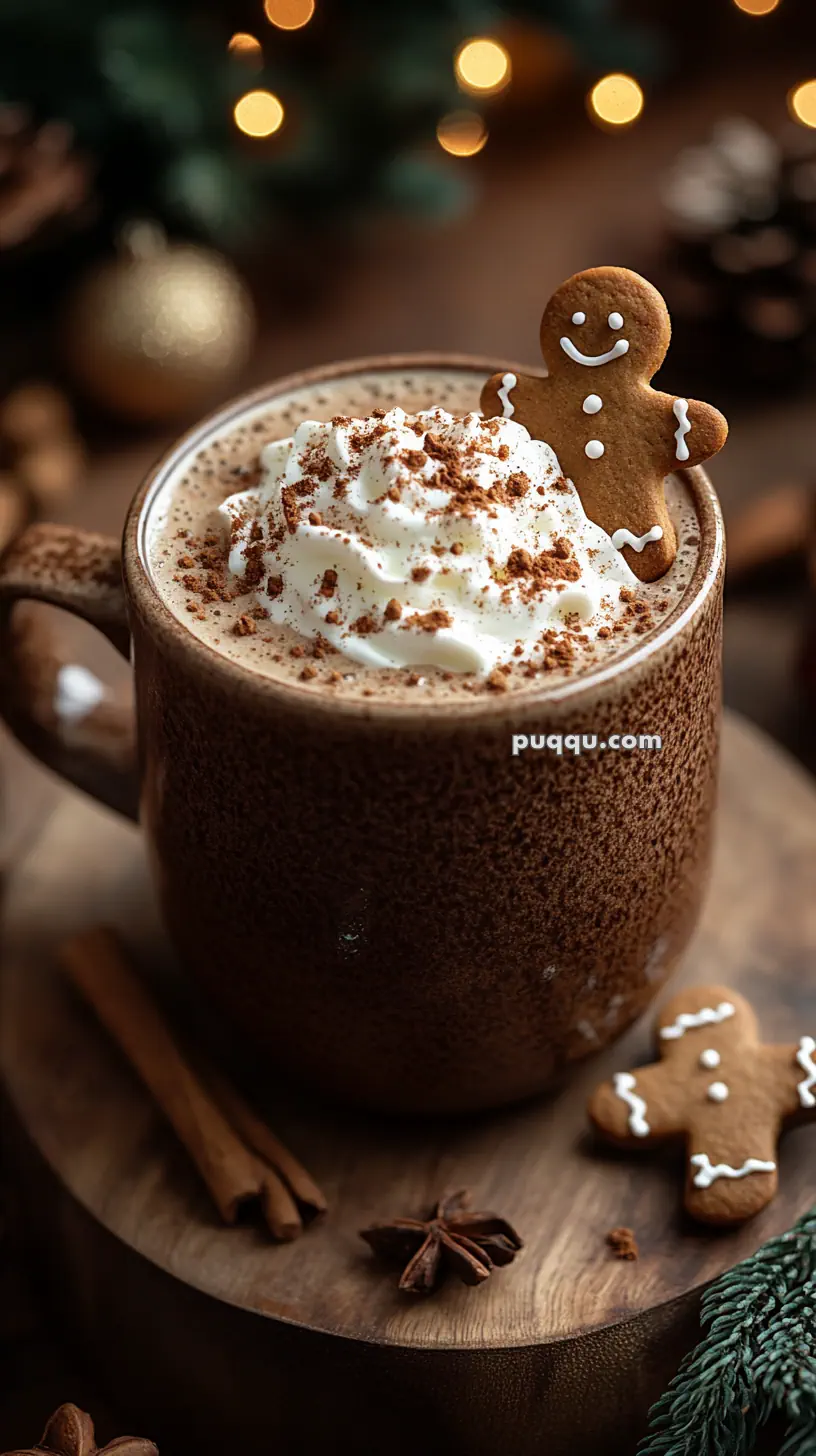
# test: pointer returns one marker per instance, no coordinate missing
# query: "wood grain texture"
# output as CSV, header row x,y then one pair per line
x,y
563,1351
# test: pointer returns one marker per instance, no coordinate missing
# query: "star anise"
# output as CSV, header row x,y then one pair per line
x,y
70,1432
455,1240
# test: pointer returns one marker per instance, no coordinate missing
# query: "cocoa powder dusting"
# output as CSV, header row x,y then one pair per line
x,y
291,509
364,625
200,558
432,621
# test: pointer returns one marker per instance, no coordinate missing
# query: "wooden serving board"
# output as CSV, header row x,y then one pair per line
x,y
214,1340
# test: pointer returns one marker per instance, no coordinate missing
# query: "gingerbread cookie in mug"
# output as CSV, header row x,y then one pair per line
x,y
604,334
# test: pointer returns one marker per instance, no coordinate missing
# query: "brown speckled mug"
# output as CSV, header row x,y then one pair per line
x,y
392,905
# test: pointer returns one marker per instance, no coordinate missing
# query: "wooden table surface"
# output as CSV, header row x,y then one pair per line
x,y
569,1340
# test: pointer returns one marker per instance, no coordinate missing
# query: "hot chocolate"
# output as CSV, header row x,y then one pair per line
x,y
393,902
373,536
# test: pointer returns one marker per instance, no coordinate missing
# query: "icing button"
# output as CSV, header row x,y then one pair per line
x,y
594,449
592,404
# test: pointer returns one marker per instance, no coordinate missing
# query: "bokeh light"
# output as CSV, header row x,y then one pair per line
x,y
482,65
615,100
258,114
247,48
242,42
757,7
289,14
802,103
462,133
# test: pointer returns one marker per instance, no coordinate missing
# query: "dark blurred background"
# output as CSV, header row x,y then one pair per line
x,y
197,197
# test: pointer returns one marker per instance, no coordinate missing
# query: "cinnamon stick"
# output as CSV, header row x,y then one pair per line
x,y
262,1140
234,1171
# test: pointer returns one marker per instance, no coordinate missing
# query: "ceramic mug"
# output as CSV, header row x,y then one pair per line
x,y
395,908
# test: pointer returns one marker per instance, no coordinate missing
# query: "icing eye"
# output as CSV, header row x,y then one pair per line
x,y
580,318
615,321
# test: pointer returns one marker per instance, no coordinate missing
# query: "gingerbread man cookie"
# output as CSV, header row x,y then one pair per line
x,y
723,1091
604,334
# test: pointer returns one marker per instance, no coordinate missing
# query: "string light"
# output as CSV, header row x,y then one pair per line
x,y
615,100
482,65
802,103
246,47
757,7
289,14
258,114
462,133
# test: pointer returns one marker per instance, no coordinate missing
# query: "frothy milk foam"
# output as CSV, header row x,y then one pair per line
x,y
362,559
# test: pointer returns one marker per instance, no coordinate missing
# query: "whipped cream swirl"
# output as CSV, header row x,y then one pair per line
x,y
422,541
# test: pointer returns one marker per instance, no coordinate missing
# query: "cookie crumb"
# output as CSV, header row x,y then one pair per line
x,y
623,1243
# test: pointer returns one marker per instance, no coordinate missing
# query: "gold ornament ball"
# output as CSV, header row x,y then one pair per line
x,y
159,333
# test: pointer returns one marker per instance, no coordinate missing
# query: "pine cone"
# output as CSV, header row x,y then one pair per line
x,y
42,178
741,209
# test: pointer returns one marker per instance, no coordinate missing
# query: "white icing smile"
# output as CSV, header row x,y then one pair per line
x,y
620,346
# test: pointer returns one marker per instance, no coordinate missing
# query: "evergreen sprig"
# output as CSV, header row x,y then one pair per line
x,y
757,1357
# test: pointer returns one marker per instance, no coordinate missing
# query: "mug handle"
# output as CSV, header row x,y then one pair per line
x,y
90,743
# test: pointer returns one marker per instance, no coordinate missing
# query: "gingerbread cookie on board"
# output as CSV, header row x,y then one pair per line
x,y
604,334
723,1091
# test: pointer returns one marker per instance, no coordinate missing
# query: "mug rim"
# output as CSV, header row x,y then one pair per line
x,y
174,635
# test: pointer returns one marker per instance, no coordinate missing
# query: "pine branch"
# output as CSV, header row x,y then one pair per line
x,y
800,1439
758,1355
